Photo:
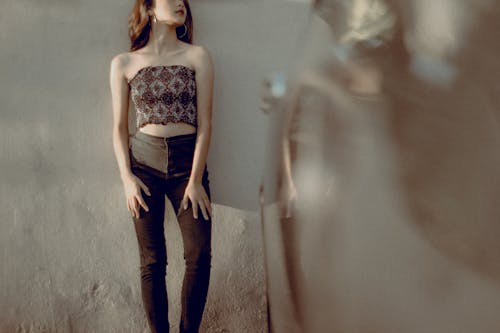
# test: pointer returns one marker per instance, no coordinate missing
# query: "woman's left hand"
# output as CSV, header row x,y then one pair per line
x,y
196,193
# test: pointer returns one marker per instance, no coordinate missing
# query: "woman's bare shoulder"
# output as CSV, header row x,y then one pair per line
x,y
122,60
200,56
197,50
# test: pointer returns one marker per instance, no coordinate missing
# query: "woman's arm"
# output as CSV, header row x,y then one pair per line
x,y
204,91
120,96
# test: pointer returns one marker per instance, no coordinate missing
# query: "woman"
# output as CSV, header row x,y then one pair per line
x,y
170,82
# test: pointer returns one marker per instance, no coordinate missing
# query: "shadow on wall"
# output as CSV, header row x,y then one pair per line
x,y
248,41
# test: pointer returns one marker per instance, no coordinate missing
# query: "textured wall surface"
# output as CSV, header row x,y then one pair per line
x,y
67,244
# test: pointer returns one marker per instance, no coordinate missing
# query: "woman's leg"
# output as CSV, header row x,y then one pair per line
x,y
196,236
153,255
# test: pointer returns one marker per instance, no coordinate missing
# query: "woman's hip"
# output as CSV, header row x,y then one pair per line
x,y
173,156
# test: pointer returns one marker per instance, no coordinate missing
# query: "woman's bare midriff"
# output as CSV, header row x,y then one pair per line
x,y
168,130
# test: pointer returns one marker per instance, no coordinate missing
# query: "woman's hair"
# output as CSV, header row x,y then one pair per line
x,y
140,25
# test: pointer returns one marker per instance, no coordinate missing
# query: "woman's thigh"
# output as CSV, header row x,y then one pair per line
x,y
149,226
196,233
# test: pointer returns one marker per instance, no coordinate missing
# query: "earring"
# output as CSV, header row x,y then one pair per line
x,y
185,31
153,16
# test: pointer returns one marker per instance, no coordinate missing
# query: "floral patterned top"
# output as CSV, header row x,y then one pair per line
x,y
164,94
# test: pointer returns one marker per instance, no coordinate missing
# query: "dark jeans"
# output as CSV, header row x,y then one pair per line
x,y
164,165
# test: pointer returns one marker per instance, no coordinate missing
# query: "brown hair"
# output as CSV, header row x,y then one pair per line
x,y
139,24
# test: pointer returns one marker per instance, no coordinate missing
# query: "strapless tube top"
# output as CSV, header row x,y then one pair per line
x,y
164,94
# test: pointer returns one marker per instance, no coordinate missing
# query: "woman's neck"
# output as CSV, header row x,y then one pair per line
x,y
163,39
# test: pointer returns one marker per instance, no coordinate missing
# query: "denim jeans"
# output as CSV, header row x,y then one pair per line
x,y
164,165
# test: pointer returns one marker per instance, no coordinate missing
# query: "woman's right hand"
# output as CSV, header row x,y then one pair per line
x,y
133,186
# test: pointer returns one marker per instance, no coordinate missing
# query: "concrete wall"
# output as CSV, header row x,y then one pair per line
x,y
68,248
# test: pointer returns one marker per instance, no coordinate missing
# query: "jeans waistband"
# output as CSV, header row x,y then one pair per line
x,y
165,141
